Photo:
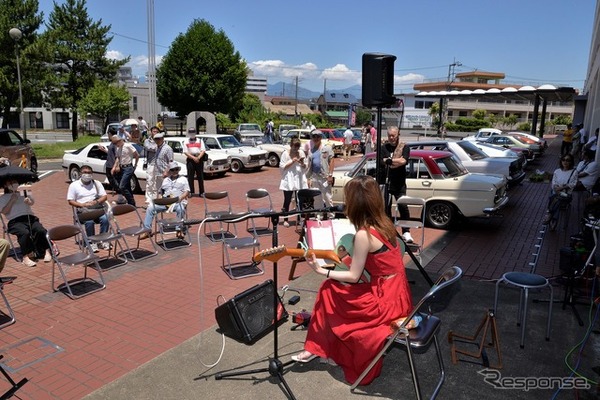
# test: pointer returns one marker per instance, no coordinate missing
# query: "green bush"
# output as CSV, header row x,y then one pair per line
x,y
57,149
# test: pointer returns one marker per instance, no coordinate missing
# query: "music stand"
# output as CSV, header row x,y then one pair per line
x,y
275,367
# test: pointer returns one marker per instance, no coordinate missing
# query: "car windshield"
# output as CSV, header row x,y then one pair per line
x,y
357,133
473,151
229,142
249,127
450,167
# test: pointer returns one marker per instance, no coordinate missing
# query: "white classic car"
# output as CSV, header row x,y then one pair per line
x,y
95,157
217,165
242,157
450,191
304,136
262,142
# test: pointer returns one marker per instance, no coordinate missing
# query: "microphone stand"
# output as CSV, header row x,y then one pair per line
x,y
275,366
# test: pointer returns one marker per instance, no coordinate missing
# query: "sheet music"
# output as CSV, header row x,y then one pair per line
x,y
324,235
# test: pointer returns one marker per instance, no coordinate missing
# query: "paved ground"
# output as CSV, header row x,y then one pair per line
x,y
148,334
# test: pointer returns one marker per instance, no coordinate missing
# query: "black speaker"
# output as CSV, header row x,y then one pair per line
x,y
378,79
249,315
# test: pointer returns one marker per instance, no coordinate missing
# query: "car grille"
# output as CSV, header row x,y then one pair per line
x,y
516,167
258,157
219,162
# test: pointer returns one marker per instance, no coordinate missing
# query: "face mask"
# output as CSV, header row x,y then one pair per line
x,y
14,187
86,178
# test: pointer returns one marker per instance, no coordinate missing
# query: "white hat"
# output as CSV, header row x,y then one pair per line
x,y
159,135
174,165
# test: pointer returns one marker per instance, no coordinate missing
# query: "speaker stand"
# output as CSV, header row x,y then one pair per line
x,y
275,367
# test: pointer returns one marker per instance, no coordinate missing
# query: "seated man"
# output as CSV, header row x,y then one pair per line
x,y
87,193
174,185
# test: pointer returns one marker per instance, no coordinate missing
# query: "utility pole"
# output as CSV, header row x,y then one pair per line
x,y
443,100
296,99
325,97
151,64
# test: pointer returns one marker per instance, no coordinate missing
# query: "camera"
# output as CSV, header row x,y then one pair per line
x,y
387,161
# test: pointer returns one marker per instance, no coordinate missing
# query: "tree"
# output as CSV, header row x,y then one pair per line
x,y
105,99
78,47
252,110
363,116
202,71
24,15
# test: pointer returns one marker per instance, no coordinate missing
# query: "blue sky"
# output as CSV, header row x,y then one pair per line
x,y
531,41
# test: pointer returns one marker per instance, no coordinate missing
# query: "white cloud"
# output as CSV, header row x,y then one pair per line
x,y
408,78
340,72
278,69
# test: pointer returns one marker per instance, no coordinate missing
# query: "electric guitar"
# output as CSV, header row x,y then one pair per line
x,y
275,253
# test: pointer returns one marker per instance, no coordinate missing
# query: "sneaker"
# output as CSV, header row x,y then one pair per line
x,y
105,246
94,247
407,237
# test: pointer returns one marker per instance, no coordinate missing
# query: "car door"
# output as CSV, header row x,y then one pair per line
x,y
96,158
419,180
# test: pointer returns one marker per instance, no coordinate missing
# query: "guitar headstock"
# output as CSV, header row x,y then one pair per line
x,y
272,254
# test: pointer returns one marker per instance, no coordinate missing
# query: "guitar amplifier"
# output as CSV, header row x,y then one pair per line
x,y
249,315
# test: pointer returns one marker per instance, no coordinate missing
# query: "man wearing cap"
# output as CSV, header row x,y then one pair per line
x,y
320,168
125,165
174,185
158,157
348,136
194,151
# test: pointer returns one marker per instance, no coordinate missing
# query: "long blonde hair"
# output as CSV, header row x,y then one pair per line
x,y
365,207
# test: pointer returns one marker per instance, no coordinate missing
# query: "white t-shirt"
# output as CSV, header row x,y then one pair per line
x,y
84,193
125,153
348,136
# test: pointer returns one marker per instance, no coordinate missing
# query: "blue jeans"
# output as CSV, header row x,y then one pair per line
x,y
90,226
154,209
125,184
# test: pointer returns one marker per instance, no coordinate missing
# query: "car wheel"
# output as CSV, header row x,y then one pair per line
x,y
34,165
273,160
74,173
236,166
440,215
135,185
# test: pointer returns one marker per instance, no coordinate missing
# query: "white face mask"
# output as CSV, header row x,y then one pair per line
x,y
86,178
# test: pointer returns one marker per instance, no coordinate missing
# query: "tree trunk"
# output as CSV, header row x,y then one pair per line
x,y
74,126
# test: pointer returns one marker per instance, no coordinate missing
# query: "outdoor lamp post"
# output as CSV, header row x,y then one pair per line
x,y
16,35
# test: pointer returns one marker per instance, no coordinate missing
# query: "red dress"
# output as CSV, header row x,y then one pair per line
x,y
350,322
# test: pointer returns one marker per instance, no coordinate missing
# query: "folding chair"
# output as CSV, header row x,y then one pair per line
x,y
240,269
417,222
111,237
420,338
259,202
10,316
171,232
8,236
83,256
135,230
216,205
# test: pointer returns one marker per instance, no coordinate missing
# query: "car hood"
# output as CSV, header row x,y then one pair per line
x,y
484,180
252,151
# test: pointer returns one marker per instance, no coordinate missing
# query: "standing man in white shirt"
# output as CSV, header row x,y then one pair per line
x,y
194,151
348,136
158,156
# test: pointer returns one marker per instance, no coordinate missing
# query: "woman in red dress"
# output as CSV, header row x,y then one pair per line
x,y
351,319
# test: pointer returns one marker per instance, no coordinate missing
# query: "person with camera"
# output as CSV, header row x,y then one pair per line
x,y
395,156
23,223
85,194
352,317
320,169
174,185
293,174
194,151
564,180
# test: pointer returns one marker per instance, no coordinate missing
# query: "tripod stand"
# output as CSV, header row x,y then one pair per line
x,y
275,366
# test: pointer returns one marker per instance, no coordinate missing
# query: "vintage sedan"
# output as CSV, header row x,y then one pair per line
x,y
217,164
511,142
304,136
451,192
260,141
475,160
94,156
242,157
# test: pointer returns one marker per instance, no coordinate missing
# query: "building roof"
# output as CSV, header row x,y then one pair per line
x,y
481,74
528,93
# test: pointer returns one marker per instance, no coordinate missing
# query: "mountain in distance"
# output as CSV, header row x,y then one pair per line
x,y
283,89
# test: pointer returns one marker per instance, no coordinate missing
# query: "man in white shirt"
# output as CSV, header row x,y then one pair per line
x,y
194,151
348,136
592,142
89,193
587,171
173,185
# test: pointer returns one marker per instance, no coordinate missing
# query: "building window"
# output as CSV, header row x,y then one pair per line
x,y
419,104
450,113
462,114
135,103
62,120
